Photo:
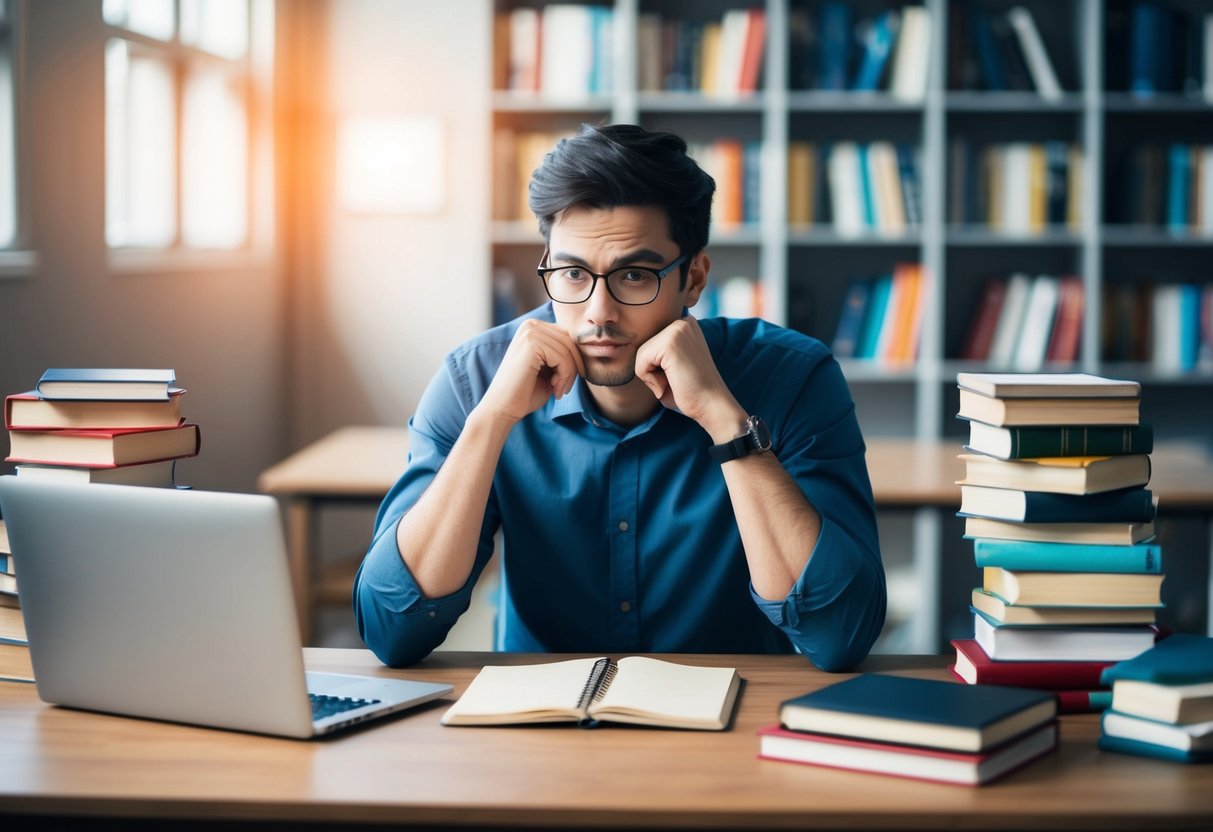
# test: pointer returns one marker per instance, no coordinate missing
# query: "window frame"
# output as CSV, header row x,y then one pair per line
x,y
20,259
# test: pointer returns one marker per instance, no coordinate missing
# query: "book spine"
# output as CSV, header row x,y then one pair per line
x,y
1141,558
1030,443
1083,701
1130,506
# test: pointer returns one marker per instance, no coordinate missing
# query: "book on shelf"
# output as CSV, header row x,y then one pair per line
x,y
834,42
914,762
1067,475
921,712
103,448
1078,643
29,410
804,177
850,320
1164,703
1009,324
876,38
874,317
1144,558
999,610
1059,440
980,336
635,690
843,174
1073,589
153,474
908,73
105,383
975,667
1040,68
1135,505
1039,313
1189,743
1104,534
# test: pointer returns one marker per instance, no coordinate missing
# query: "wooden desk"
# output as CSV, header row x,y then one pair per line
x,y
412,770
360,464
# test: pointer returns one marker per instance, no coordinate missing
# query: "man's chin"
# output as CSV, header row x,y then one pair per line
x,y
606,376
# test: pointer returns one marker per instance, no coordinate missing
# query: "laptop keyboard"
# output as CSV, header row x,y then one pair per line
x,y
324,705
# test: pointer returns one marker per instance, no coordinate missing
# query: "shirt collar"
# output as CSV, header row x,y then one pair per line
x,y
579,403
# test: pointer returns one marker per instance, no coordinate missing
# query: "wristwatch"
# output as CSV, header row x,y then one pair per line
x,y
755,440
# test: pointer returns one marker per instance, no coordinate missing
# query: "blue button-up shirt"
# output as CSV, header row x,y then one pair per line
x,y
623,540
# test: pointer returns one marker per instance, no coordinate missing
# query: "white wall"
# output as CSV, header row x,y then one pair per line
x,y
380,299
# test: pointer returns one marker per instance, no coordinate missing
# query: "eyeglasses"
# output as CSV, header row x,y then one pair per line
x,y
630,285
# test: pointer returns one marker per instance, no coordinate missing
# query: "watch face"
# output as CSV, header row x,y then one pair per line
x,y
760,434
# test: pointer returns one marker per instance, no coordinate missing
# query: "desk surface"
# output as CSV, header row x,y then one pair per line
x,y
365,462
413,770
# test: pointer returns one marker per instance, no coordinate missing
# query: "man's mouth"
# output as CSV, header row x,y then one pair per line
x,y
603,349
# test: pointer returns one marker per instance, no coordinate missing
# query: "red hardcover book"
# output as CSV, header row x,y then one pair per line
x,y
975,667
1067,325
981,331
913,762
1084,701
752,54
103,448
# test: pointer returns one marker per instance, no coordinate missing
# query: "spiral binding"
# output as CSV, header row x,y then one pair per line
x,y
597,682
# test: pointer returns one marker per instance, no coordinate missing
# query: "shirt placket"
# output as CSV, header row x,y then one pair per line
x,y
624,503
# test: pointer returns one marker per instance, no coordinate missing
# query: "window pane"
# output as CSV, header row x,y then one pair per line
x,y
140,184
8,149
154,18
218,26
215,162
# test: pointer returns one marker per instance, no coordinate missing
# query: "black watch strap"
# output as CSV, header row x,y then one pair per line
x,y
756,439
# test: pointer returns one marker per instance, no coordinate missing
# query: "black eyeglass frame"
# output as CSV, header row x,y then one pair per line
x,y
660,274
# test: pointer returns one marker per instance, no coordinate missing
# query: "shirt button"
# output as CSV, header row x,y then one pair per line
x,y
433,614
625,607
623,525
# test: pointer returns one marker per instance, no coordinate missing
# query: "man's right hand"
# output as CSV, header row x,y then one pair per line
x,y
542,361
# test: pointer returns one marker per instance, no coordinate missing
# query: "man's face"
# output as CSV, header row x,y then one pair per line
x,y
608,332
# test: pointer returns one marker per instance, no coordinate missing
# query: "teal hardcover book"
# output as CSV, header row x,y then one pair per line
x,y
106,383
1180,659
1031,556
925,712
1121,745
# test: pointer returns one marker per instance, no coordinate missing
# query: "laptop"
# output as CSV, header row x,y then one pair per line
x,y
175,605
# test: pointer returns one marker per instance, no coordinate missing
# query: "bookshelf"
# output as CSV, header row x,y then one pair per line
x,y
1105,238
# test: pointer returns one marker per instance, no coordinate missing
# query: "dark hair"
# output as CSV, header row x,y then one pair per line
x,y
623,164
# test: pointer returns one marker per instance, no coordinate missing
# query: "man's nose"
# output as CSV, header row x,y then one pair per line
x,y
601,305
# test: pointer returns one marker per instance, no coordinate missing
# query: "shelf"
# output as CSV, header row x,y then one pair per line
x,y
829,101
509,101
1162,104
1128,236
826,236
977,236
1025,103
697,102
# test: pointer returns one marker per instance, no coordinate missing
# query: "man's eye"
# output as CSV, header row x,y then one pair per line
x,y
572,274
635,276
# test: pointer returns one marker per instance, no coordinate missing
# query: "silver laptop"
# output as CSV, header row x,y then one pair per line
x,y
174,605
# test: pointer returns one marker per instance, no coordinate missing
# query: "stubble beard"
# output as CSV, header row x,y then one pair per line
x,y
604,375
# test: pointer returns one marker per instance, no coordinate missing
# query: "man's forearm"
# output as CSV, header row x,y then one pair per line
x,y
439,536
778,526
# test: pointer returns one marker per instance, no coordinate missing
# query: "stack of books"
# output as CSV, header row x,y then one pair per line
x,y
1162,702
100,425
15,664
1054,499
923,729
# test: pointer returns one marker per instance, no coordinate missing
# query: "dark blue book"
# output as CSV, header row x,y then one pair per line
x,y
1179,659
1128,505
751,182
1144,31
834,54
989,55
1057,174
877,38
911,186
922,712
850,321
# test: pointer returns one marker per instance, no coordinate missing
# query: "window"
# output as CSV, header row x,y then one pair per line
x,y
8,128
178,129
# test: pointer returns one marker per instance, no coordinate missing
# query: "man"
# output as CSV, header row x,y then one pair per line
x,y
661,484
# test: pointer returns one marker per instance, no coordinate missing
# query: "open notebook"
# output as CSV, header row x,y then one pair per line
x,y
636,690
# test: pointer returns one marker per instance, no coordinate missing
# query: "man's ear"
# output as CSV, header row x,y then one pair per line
x,y
697,277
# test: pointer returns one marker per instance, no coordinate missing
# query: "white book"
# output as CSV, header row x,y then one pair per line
x,y
737,298
1165,312
1208,53
524,49
1194,736
846,196
1083,643
1037,59
1016,212
1205,209
885,179
733,27
567,51
1010,320
908,78
1037,326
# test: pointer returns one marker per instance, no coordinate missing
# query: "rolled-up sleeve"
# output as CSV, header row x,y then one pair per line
x,y
836,609
396,621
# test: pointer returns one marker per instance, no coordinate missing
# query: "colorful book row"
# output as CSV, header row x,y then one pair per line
x,y
881,318
855,187
1016,187
1169,325
1023,322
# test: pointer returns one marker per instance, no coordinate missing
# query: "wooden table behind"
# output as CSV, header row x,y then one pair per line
x,y
412,770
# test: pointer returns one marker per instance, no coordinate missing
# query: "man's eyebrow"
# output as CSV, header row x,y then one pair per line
x,y
641,255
